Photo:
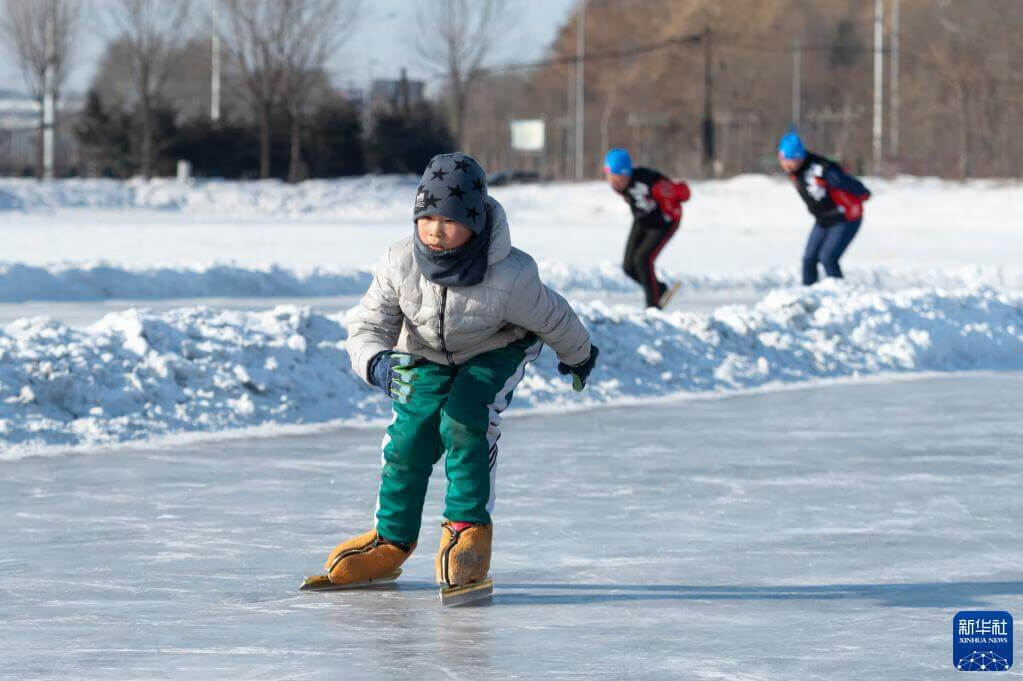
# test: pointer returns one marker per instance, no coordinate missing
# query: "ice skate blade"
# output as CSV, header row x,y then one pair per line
x,y
665,300
323,583
470,593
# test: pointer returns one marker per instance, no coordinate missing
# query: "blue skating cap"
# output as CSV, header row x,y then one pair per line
x,y
791,147
617,161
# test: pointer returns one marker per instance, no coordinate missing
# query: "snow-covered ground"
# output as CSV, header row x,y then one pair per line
x,y
935,283
741,228
827,536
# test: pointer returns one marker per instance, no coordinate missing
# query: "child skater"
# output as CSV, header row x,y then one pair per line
x,y
452,317
656,204
833,197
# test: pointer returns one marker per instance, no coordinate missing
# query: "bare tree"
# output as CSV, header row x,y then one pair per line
x,y
256,42
153,30
315,30
455,36
25,29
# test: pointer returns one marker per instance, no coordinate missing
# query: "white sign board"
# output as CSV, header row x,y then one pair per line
x,y
527,135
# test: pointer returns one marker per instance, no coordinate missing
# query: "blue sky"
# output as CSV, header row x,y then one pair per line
x,y
387,39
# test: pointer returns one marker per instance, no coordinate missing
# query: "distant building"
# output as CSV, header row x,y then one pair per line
x,y
356,96
19,135
388,95
17,111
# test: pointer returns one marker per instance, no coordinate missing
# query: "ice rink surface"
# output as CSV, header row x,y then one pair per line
x,y
817,533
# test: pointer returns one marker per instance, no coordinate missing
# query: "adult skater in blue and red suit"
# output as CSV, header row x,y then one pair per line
x,y
833,197
656,203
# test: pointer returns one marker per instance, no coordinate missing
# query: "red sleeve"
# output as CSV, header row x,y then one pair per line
x,y
669,196
681,191
851,205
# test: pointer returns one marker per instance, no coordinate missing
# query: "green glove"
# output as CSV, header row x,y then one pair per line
x,y
580,372
395,374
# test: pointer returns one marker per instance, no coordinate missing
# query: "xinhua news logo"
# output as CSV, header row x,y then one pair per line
x,y
982,641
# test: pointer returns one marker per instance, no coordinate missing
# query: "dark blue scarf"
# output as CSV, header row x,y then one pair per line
x,y
462,266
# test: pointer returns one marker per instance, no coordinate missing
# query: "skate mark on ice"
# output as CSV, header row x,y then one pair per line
x,y
917,594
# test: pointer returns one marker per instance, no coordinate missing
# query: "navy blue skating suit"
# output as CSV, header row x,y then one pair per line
x,y
835,199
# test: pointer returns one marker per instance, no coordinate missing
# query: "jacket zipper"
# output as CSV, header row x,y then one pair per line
x,y
443,307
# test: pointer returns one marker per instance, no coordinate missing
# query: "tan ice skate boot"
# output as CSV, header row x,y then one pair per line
x,y
463,561
364,560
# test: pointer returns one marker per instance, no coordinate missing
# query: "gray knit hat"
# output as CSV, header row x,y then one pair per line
x,y
455,186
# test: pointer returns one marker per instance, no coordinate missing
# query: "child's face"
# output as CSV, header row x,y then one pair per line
x,y
441,233
617,182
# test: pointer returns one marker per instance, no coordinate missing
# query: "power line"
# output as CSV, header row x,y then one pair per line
x,y
595,56
691,40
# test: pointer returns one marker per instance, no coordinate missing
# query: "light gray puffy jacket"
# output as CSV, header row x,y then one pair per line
x,y
403,310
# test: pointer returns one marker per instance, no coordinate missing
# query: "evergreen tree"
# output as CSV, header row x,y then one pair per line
x,y
405,141
334,144
106,134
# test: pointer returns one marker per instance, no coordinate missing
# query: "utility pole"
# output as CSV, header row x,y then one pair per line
x,y
215,66
708,107
403,95
797,79
878,83
893,125
580,90
49,89
569,136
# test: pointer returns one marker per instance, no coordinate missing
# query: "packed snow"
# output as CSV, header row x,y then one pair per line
x,y
136,374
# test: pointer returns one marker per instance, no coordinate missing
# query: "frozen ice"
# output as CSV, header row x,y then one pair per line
x,y
815,534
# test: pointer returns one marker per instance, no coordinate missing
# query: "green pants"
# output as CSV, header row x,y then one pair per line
x,y
455,410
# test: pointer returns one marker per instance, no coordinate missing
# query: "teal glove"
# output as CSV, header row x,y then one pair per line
x,y
395,374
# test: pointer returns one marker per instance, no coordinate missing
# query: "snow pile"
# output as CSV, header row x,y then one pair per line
x,y
136,374
832,330
102,281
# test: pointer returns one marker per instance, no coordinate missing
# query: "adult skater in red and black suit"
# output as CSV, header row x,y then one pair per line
x,y
656,203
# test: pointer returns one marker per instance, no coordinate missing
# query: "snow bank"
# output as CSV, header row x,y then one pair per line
x,y
136,374
365,195
102,281
609,277
376,195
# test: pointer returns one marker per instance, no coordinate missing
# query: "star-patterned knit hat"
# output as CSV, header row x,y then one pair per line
x,y
455,186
